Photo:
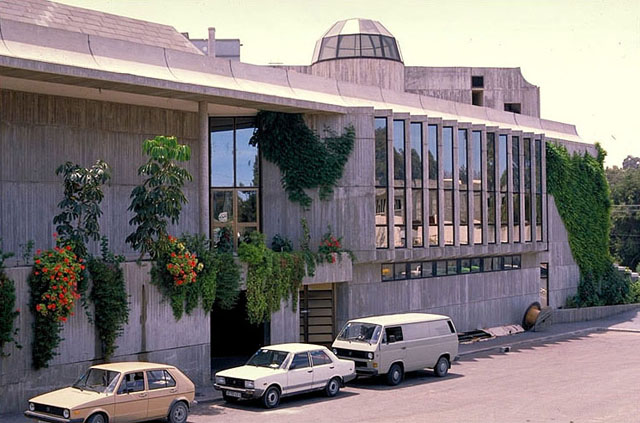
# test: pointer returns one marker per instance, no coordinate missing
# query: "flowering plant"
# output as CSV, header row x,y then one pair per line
x,y
182,264
58,271
330,247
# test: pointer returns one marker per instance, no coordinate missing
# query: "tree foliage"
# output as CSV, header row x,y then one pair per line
x,y
159,199
305,160
8,311
625,230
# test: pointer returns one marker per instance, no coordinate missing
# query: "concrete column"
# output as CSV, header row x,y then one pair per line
x,y
203,174
211,48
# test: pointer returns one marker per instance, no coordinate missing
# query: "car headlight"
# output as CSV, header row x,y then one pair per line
x,y
370,356
249,384
66,414
220,380
32,407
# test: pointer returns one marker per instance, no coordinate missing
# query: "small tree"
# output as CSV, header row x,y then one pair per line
x,y
78,222
160,198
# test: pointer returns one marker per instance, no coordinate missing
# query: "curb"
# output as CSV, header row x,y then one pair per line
x,y
541,339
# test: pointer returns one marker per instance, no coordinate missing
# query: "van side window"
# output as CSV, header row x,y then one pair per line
x,y
451,328
394,334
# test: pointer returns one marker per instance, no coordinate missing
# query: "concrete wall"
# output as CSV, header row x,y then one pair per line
x,y
40,132
501,85
151,335
377,72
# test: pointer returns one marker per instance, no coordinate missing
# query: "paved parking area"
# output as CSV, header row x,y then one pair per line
x,y
589,378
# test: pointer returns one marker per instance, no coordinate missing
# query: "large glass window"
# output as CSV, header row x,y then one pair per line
x,y
527,190
234,177
359,45
416,184
538,147
447,159
399,174
491,187
515,171
502,174
434,235
476,185
463,180
382,190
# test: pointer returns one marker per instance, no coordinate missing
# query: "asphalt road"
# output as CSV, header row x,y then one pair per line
x,y
593,378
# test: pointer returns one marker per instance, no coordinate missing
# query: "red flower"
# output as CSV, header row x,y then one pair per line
x,y
68,247
54,287
38,261
173,254
61,295
38,307
55,234
37,273
82,266
45,270
38,251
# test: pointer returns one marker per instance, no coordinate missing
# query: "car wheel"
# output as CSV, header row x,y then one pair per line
x,y
394,376
333,387
229,398
271,397
179,413
97,418
442,367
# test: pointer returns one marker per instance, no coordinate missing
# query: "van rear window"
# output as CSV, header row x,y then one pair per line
x,y
451,328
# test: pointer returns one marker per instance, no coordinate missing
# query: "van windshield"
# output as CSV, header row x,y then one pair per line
x,y
364,332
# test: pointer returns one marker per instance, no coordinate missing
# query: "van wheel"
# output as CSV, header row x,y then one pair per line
x,y
442,367
333,387
271,397
394,376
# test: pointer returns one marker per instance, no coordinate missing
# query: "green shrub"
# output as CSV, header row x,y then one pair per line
x,y
8,310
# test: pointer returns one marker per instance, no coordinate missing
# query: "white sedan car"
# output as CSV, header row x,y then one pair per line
x,y
286,369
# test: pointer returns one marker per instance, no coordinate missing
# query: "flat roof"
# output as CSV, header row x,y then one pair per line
x,y
127,366
294,347
400,319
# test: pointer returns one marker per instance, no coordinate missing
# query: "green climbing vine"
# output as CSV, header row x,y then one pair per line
x,y
271,277
8,310
581,193
305,160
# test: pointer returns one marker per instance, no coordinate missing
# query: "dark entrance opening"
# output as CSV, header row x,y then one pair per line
x,y
233,338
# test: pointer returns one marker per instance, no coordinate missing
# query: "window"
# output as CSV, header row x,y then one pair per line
x,y
393,334
415,270
452,267
477,98
447,158
463,181
441,268
234,178
416,184
515,172
359,45
300,361
476,265
527,190
382,190
320,358
387,272
465,266
434,228
503,178
427,269
477,82
399,174
512,107
132,382
158,379
491,187
400,271
538,146
476,185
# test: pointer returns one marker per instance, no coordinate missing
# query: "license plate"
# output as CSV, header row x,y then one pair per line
x,y
234,394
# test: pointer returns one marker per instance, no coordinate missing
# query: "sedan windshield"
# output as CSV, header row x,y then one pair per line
x,y
268,358
98,380
365,332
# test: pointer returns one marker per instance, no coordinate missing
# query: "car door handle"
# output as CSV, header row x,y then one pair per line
x,y
332,367
403,348
142,395
174,390
309,371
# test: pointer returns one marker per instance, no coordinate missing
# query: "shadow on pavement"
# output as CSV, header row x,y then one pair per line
x,y
421,377
287,402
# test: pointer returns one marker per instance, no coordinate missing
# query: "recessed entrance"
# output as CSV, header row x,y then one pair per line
x,y
233,338
317,314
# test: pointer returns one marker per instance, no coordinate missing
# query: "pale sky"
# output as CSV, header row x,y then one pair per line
x,y
584,55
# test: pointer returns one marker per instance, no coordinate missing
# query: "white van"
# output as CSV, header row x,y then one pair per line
x,y
398,343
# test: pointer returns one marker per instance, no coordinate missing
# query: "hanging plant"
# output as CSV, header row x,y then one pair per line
x,y
305,160
110,298
54,291
8,310
331,247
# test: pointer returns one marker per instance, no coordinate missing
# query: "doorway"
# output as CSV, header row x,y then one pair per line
x,y
317,314
544,284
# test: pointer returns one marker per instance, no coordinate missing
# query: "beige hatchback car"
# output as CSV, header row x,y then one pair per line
x,y
118,392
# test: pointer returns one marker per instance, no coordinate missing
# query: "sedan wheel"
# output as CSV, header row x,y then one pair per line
x,y
333,387
271,397
178,413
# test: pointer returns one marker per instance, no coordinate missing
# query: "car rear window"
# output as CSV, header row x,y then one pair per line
x,y
319,358
158,379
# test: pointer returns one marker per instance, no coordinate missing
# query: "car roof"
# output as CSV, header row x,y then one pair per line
x,y
399,319
129,366
294,347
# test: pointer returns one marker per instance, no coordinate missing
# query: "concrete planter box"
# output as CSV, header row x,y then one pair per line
x,y
569,315
340,271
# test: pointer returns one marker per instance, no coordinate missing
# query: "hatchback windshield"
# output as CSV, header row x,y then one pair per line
x,y
267,358
98,380
365,332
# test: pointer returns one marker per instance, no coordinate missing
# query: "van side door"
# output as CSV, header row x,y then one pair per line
x,y
392,348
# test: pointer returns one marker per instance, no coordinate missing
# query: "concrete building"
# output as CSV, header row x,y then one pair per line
x,y
458,222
